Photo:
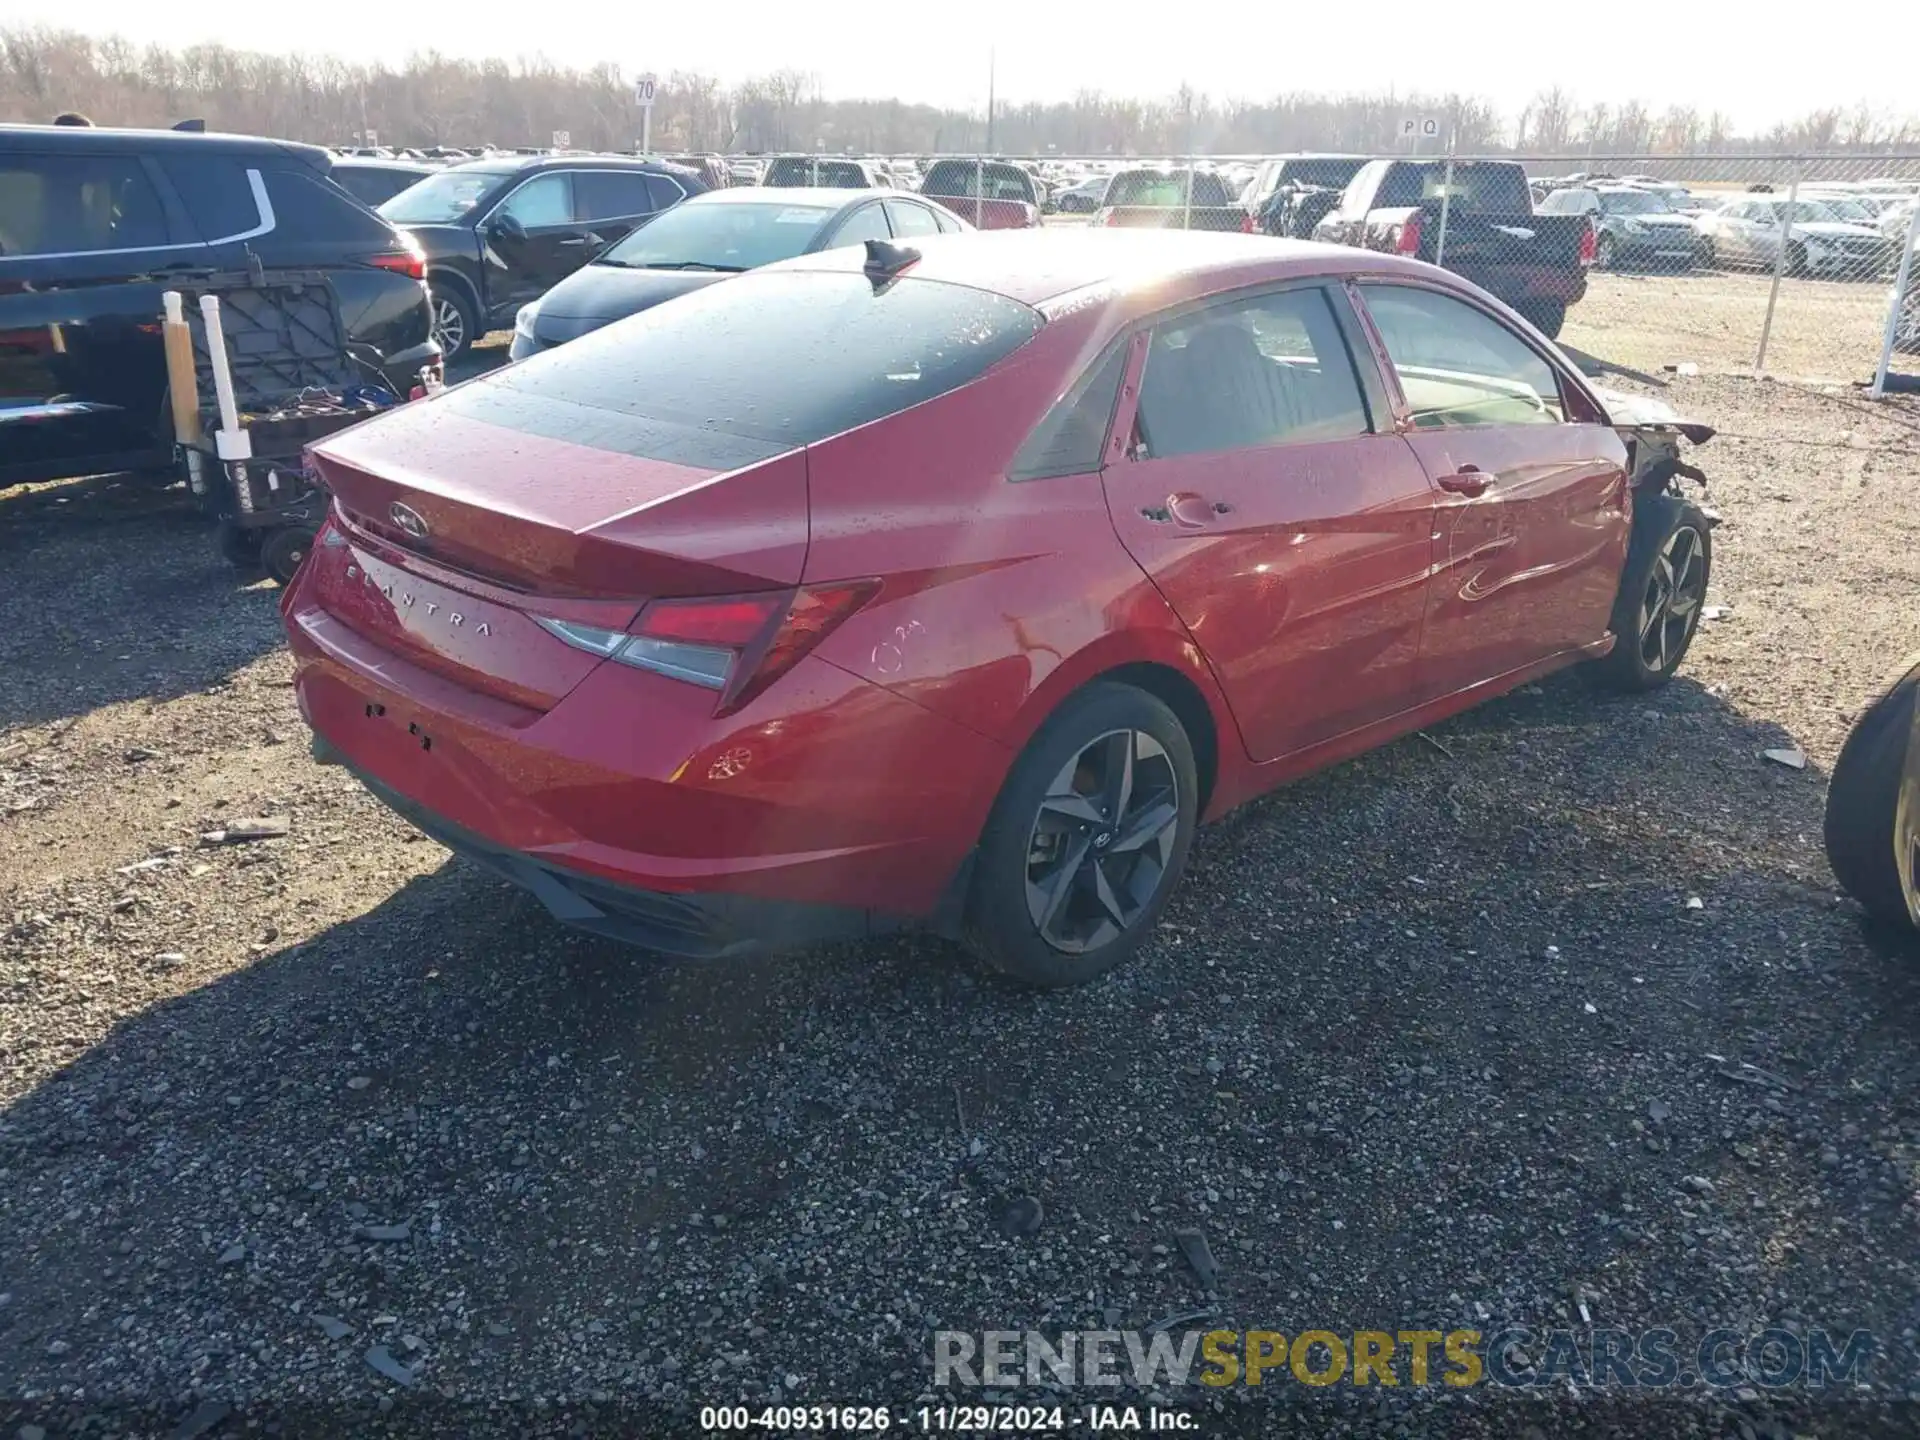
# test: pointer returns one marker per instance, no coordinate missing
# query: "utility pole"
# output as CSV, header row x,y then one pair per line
x,y
990,99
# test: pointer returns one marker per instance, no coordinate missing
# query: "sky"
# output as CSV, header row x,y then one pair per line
x,y
1760,63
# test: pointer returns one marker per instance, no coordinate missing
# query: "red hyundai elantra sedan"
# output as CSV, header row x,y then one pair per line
x,y
955,586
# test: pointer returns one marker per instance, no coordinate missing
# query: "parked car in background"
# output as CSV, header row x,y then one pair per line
x,y
963,607
1082,197
713,170
713,237
498,233
95,224
832,171
1752,230
1183,199
1536,263
991,193
374,182
1290,194
1631,227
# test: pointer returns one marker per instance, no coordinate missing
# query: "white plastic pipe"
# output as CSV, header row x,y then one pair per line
x,y
172,307
1779,269
1892,331
217,356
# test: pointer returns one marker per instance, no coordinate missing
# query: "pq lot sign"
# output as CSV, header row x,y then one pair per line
x,y
1419,127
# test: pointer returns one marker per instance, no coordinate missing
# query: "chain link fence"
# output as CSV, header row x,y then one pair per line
x,y
1778,264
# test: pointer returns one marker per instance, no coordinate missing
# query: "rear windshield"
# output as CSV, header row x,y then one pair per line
x,y
731,236
735,373
806,170
1330,173
1166,188
994,182
1484,188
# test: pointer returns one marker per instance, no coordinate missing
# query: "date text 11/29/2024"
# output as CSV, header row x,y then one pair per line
x,y
951,1419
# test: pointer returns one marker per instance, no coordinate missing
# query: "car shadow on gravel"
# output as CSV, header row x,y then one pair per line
x,y
116,591
1393,1050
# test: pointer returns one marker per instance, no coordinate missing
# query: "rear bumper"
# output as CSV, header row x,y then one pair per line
x,y
693,926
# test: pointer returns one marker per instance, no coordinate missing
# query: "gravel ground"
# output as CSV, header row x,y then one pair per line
x,y
1826,330
1438,1038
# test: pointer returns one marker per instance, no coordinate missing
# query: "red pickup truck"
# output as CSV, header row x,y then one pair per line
x,y
991,193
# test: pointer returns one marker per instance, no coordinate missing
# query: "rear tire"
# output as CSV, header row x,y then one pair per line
x,y
1663,586
1604,254
1075,863
1546,316
456,321
1872,838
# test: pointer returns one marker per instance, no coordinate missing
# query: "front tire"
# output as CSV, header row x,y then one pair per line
x,y
1605,253
1087,840
1873,806
1663,586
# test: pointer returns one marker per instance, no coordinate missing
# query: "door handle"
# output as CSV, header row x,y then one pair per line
x,y
1193,510
581,240
1468,480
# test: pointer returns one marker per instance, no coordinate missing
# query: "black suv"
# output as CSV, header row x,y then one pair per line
x,y
499,233
95,224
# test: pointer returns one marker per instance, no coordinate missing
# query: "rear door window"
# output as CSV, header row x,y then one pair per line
x,y
869,222
77,205
307,208
217,193
612,195
1458,365
736,373
1268,370
910,219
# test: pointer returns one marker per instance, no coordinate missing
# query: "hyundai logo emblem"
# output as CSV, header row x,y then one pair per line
x,y
407,519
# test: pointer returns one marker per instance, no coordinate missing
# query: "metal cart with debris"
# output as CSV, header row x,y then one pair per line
x,y
272,373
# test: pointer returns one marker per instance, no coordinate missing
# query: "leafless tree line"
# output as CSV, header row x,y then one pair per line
x,y
437,100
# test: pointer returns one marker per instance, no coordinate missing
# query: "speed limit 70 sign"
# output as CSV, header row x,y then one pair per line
x,y
643,91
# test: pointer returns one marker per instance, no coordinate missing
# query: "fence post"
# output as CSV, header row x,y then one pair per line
x,y
1892,331
1446,204
1779,268
979,190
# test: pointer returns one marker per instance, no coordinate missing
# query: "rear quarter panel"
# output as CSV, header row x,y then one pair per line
x,y
999,598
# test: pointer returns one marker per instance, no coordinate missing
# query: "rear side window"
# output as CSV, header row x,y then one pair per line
x,y
869,222
1068,440
664,192
1458,365
1268,370
612,194
307,208
80,204
738,372
217,193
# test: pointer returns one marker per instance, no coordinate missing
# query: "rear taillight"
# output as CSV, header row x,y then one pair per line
x,y
1103,217
1589,246
411,263
736,644
1407,242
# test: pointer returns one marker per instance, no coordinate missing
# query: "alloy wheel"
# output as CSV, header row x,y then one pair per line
x,y
1101,843
449,326
1671,606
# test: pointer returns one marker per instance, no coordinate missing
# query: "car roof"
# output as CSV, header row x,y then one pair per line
x,y
830,197
584,160
1034,266
102,139
381,162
